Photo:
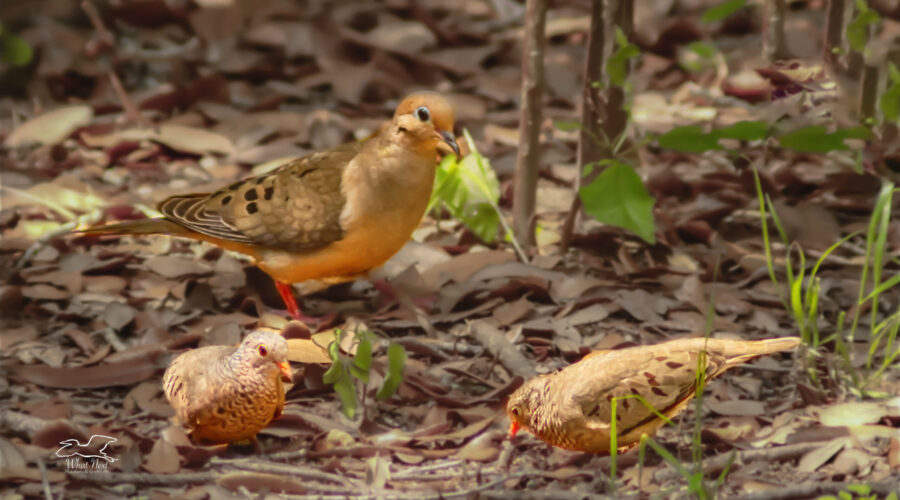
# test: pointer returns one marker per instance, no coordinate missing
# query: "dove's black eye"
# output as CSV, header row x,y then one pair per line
x,y
262,351
515,411
423,114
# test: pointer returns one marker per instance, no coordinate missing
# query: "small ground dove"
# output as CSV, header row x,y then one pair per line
x,y
572,408
330,216
224,394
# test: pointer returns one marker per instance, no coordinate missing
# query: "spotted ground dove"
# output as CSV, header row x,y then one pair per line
x,y
224,394
572,408
329,216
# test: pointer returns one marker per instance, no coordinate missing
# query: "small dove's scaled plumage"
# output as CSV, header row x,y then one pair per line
x,y
224,394
572,408
330,216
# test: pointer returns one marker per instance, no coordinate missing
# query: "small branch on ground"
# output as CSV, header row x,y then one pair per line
x,y
604,116
588,146
132,113
293,471
718,463
808,490
834,33
868,95
142,478
773,41
529,154
502,349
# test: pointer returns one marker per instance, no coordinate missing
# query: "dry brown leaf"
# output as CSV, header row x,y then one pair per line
x,y
335,438
734,429
178,137
45,292
104,375
498,345
460,434
481,449
13,336
11,458
51,127
463,266
736,408
148,397
573,287
172,266
163,458
260,482
307,351
817,457
117,315
853,413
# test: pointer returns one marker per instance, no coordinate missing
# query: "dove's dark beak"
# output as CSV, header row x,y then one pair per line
x,y
450,140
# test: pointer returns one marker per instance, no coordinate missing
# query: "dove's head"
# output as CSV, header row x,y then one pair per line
x,y
424,120
522,404
266,350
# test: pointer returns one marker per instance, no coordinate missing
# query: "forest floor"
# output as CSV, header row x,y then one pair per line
x,y
89,324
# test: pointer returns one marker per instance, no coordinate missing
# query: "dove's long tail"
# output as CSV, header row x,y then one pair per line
x,y
141,226
168,228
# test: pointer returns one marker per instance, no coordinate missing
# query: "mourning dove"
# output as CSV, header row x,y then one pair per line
x,y
572,408
225,394
329,216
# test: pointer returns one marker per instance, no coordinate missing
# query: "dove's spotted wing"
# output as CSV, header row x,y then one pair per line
x,y
296,207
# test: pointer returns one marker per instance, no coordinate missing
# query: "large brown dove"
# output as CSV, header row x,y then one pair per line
x,y
330,216
572,408
224,394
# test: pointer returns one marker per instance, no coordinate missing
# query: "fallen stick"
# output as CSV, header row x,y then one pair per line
x,y
881,489
719,462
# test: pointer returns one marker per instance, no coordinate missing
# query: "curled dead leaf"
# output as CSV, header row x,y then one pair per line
x,y
51,127
307,351
178,137
257,481
89,377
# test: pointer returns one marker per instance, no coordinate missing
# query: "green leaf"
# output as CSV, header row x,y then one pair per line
x,y
334,373
362,362
567,126
705,50
890,98
698,56
858,28
815,139
617,66
859,489
347,394
689,139
721,11
469,189
618,197
396,361
14,50
336,370
744,131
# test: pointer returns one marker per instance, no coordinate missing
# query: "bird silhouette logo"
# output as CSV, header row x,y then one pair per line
x,y
72,447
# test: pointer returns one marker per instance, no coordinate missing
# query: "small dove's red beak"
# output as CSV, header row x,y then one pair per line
x,y
513,429
286,373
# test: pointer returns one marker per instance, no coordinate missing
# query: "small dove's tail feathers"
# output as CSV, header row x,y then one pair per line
x,y
740,352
